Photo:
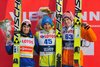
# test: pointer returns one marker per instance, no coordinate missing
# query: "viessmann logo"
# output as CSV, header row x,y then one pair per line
x,y
90,16
47,36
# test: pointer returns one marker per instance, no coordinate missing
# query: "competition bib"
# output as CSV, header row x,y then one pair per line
x,y
47,44
27,47
68,42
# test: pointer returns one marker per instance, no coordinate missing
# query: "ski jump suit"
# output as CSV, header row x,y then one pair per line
x,y
27,44
26,50
68,39
46,41
68,44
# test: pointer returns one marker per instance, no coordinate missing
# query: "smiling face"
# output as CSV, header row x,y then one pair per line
x,y
47,26
26,29
67,22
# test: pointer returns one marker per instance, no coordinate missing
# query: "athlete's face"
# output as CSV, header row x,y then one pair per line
x,y
47,26
67,22
25,29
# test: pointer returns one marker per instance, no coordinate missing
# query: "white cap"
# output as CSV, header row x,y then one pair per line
x,y
26,21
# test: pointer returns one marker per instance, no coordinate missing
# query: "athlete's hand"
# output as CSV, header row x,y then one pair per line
x,y
8,38
85,25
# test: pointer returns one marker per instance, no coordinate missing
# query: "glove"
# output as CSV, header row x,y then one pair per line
x,y
85,25
9,41
46,10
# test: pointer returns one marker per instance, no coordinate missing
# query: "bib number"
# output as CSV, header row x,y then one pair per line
x,y
47,41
